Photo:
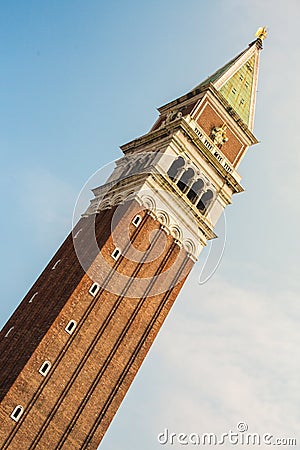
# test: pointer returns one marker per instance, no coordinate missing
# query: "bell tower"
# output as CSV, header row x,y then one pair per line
x,y
75,343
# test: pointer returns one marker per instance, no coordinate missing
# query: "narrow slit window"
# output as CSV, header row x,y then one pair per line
x,y
94,289
34,295
137,220
71,326
9,331
116,254
17,413
78,233
55,265
233,90
45,367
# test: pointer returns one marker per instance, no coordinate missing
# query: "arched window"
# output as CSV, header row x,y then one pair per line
x,y
17,412
195,190
176,166
127,166
136,166
186,177
141,163
205,201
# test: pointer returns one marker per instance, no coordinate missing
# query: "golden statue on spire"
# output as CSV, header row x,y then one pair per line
x,y
262,33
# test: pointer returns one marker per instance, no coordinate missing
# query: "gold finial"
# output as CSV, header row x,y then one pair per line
x,y
262,33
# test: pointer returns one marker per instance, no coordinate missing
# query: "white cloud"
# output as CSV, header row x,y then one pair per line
x,y
235,351
225,355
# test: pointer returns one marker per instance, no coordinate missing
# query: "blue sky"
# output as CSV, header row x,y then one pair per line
x,y
80,78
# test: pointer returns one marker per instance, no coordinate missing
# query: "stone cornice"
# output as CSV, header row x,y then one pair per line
x,y
165,135
121,187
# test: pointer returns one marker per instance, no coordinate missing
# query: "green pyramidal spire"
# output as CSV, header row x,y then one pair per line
x,y
238,90
237,80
